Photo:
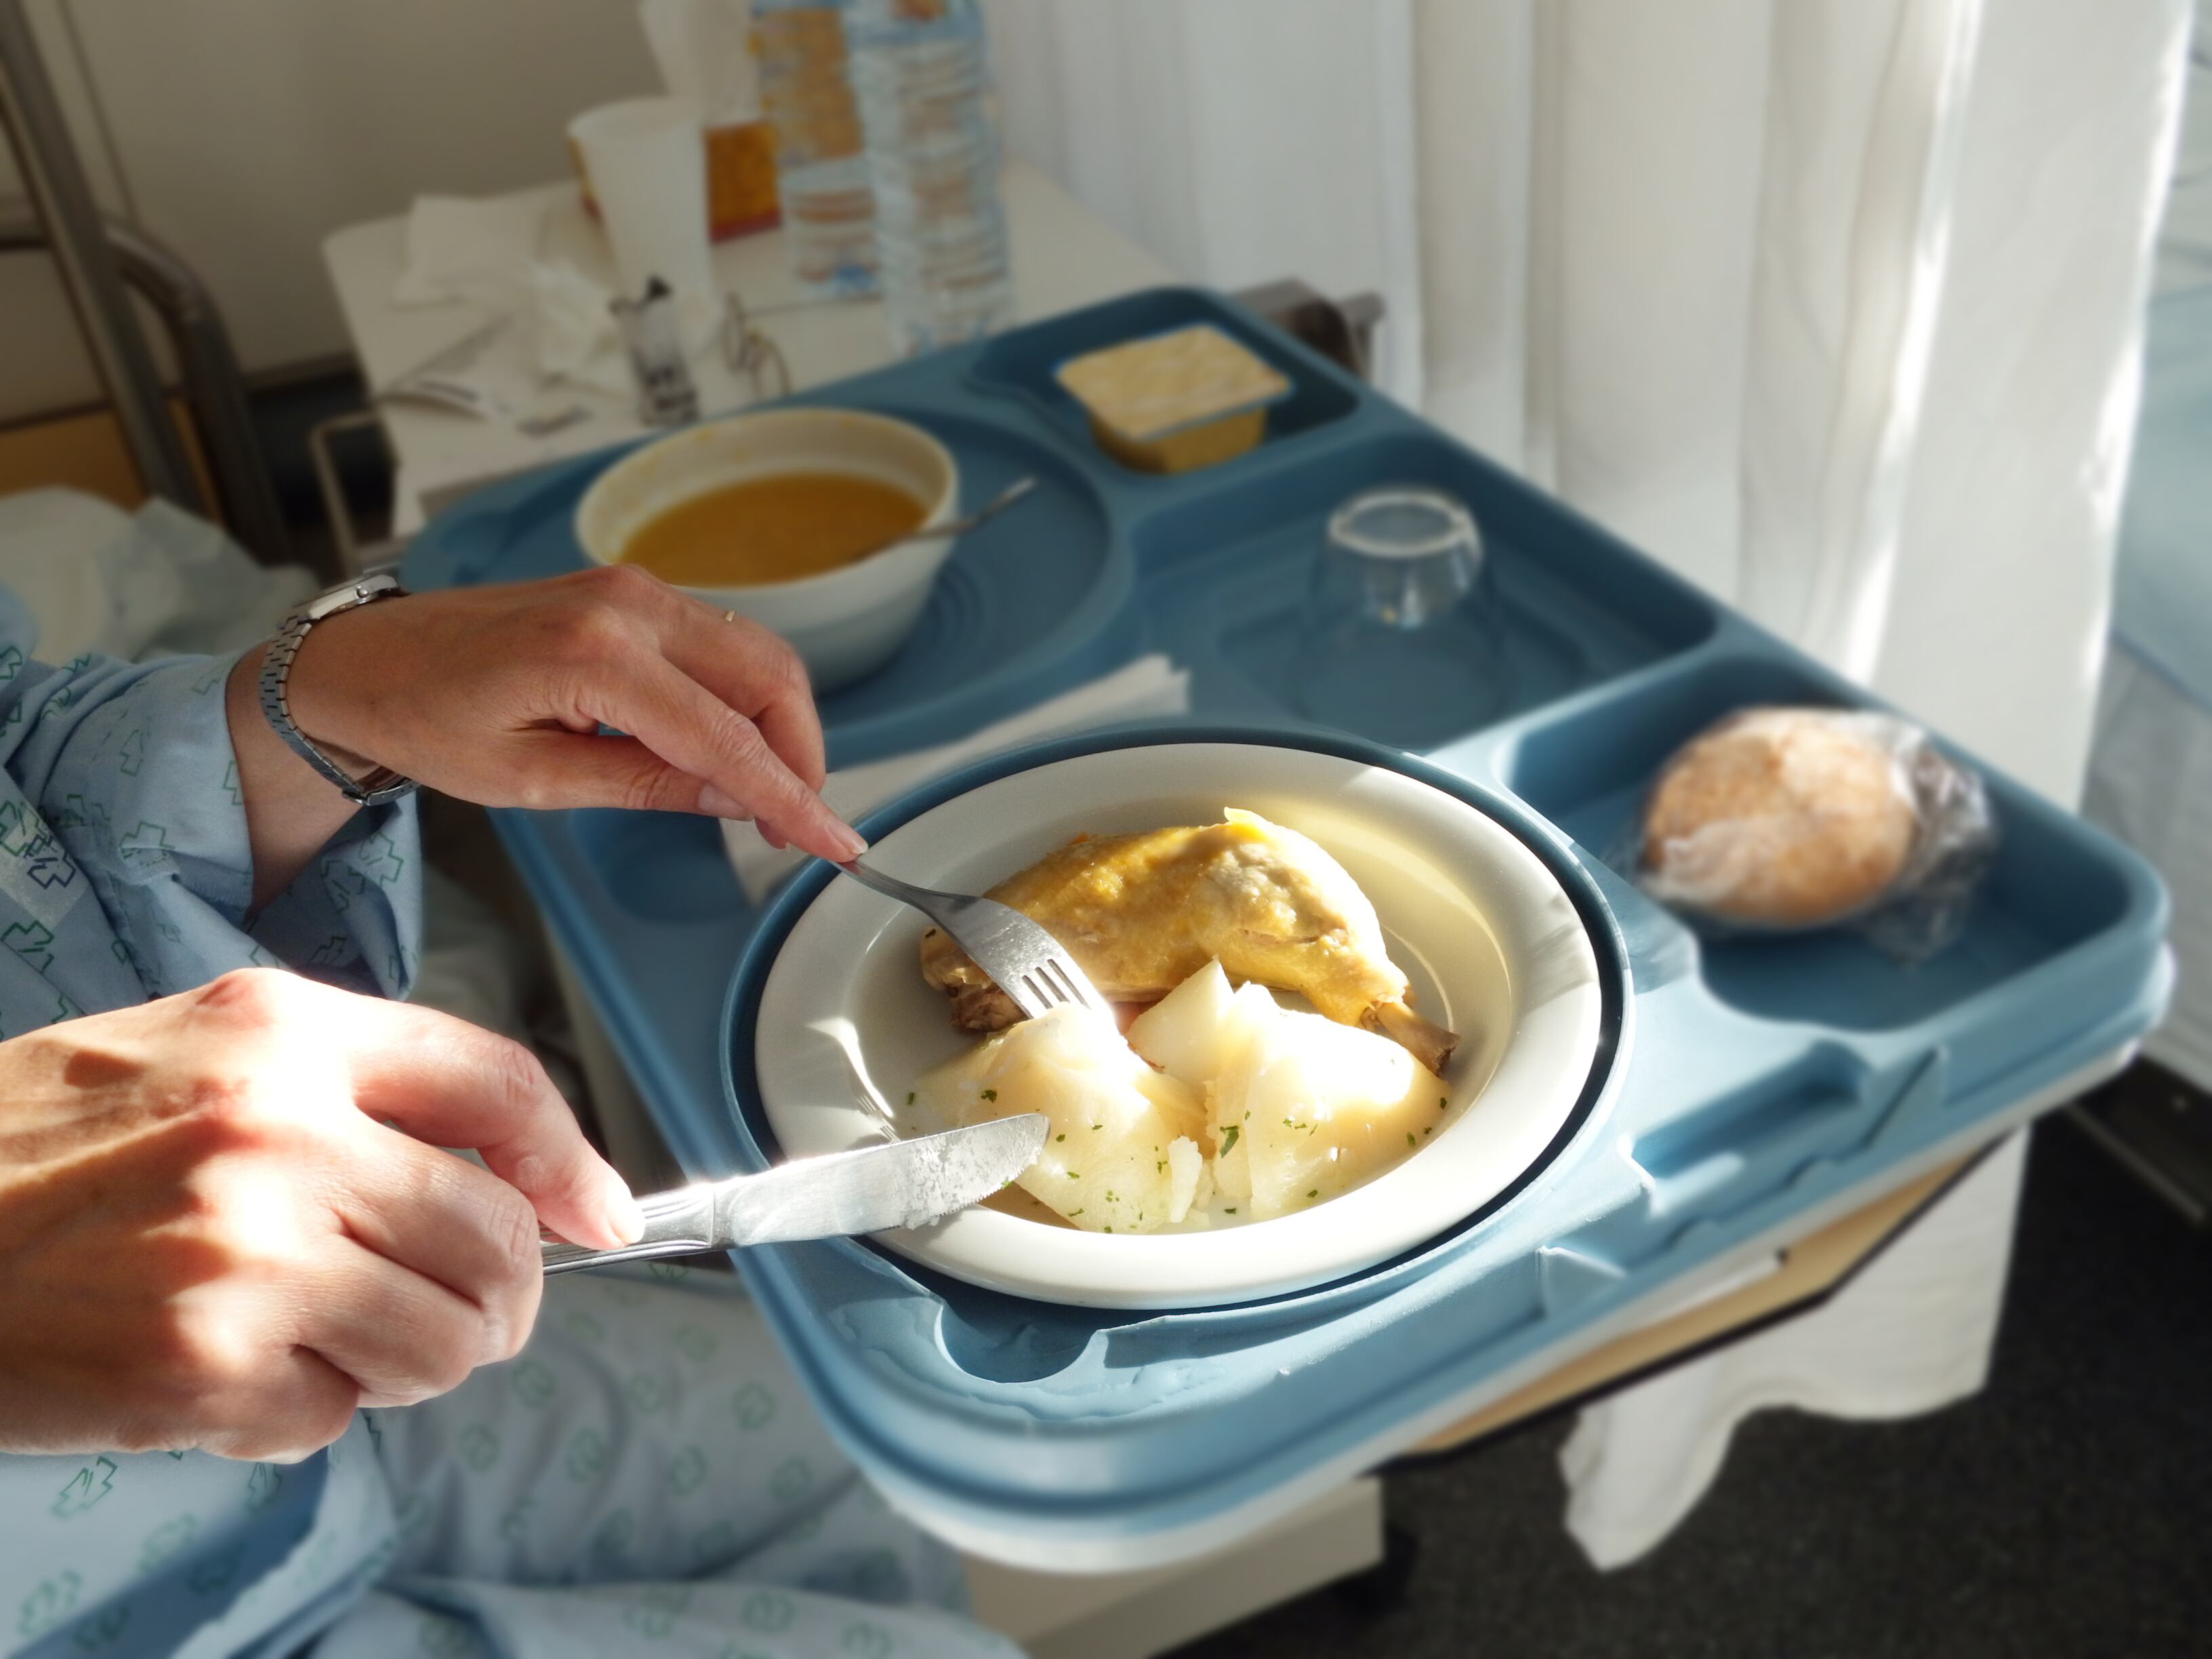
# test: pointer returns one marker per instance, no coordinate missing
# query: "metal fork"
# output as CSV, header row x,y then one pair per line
x,y
1023,960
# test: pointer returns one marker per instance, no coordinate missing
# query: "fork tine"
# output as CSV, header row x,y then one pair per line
x,y
1074,990
1033,1003
1070,988
1066,986
1088,994
1020,956
1074,986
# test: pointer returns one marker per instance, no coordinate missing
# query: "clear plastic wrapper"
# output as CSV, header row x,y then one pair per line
x,y
1777,820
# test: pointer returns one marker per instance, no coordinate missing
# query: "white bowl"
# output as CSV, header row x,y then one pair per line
x,y
845,622
1493,945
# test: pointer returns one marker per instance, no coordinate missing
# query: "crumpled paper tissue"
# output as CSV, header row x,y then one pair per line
x,y
556,328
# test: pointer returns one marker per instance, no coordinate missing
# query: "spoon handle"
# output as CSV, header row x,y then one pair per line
x,y
990,509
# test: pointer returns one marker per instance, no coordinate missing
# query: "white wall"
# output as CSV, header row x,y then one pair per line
x,y
243,131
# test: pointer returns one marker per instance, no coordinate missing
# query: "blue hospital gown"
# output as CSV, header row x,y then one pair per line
x,y
645,1477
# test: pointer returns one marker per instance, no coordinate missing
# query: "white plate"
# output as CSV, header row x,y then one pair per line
x,y
1493,945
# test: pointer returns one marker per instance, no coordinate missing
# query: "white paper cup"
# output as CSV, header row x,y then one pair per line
x,y
646,160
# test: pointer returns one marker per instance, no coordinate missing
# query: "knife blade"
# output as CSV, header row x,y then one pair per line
x,y
900,1183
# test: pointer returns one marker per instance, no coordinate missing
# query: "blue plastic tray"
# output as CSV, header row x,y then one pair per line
x,y
1745,1084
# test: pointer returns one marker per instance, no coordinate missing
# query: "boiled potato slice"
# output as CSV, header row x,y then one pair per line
x,y
1109,1162
1247,1020
1190,1183
1187,1033
1309,1109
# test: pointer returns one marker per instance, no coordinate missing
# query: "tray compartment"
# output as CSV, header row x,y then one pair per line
x,y
1232,567
1041,581
666,867
1589,771
1023,364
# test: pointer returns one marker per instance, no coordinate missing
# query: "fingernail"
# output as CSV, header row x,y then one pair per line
x,y
713,800
852,842
622,1214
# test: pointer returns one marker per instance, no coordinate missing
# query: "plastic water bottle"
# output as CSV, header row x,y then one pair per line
x,y
923,80
821,167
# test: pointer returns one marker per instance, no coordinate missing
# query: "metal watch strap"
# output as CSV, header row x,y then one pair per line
x,y
383,784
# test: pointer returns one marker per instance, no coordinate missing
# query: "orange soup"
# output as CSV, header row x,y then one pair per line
x,y
772,530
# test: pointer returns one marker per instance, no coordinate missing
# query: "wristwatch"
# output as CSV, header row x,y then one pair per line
x,y
379,786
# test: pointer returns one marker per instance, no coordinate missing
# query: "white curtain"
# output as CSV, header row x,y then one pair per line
x,y
2185,249
1238,139
1835,306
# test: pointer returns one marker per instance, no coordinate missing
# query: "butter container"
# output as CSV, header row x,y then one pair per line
x,y
1175,401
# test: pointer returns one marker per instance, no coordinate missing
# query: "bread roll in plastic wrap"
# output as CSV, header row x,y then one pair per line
x,y
1786,819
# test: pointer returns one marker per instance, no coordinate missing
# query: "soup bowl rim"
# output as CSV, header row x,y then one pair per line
x,y
827,584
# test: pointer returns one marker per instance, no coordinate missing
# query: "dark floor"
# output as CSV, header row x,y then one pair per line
x,y
2067,1510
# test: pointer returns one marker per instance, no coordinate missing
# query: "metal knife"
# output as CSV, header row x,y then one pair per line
x,y
902,1183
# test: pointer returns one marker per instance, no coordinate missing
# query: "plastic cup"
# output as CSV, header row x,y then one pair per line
x,y
646,160
1403,641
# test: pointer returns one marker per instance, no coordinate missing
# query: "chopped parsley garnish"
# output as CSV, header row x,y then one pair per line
x,y
1313,1192
1161,1164
1409,1137
1060,1137
990,1094
1229,1209
909,1096
1072,1214
1228,1139
1443,1101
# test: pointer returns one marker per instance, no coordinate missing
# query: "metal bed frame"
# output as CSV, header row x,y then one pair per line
x,y
99,258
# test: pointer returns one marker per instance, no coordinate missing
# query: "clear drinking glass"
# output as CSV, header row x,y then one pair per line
x,y
1402,639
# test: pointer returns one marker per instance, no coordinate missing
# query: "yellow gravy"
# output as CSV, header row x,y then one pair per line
x,y
772,530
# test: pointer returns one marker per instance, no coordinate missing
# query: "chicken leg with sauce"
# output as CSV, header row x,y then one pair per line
x,y
1142,913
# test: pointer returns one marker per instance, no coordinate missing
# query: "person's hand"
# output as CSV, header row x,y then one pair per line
x,y
210,1237
496,694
